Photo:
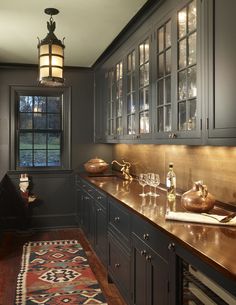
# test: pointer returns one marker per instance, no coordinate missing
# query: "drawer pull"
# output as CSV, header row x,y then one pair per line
x,y
143,252
117,265
99,209
89,190
117,219
99,198
86,197
146,236
148,258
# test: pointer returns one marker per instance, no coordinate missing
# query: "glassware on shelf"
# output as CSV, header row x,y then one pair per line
x,y
143,182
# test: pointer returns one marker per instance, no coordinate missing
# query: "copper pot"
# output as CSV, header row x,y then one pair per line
x,y
198,199
96,166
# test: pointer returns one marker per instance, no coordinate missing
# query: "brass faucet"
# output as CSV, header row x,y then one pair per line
x,y
124,169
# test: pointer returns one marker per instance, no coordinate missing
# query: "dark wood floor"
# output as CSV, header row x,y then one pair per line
x,y
11,246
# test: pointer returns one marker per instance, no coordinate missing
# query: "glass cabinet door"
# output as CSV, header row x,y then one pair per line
x,y
115,102
163,86
144,99
119,98
187,67
177,104
110,103
130,94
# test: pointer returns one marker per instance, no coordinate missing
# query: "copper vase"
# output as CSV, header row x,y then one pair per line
x,y
198,199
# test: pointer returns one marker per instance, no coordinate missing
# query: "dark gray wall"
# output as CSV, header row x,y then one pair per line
x,y
55,190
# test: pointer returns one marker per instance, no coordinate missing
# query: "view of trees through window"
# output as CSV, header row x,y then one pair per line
x,y
39,131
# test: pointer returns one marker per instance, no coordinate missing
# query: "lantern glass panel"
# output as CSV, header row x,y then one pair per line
x,y
56,49
44,72
44,49
57,61
44,61
57,72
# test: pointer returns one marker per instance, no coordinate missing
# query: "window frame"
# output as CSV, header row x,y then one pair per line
x,y
16,91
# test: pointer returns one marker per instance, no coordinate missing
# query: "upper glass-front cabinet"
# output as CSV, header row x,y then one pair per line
x,y
187,67
153,90
114,101
177,65
164,70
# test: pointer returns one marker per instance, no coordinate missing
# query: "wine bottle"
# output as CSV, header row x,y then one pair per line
x,y
171,183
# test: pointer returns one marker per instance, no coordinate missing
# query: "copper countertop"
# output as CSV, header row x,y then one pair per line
x,y
214,244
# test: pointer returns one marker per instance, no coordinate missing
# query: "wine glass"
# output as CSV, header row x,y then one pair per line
x,y
142,182
155,182
149,182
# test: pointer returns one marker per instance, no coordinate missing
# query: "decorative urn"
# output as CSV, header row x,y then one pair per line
x,y
96,166
198,199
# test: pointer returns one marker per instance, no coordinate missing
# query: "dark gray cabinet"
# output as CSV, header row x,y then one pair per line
x,y
176,84
146,265
92,216
222,61
150,264
119,245
150,275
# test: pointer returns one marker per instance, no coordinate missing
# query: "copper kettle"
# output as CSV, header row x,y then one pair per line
x,y
198,199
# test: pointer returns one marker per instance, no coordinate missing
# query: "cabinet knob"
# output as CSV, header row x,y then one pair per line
x,y
171,246
99,209
117,265
143,252
86,197
146,236
99,198
148,258
117,219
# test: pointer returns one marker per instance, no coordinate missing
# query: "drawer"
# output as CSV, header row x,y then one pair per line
x,y
100,198
119,220
148,233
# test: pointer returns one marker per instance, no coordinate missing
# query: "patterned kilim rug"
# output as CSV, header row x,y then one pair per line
x,y
56,273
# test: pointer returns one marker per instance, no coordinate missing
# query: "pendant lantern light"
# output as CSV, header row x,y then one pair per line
x,y
51,55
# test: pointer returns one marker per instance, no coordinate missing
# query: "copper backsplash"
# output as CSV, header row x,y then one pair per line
x,y
216,166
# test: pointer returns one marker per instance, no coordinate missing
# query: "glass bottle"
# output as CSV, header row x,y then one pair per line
x,y
171,183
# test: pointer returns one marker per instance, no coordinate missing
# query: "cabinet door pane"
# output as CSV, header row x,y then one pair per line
x,y
144,122
182,85
182,53
192,16
182,22
160,92
182,116
167,118
192,43
192,82
160,65
160,118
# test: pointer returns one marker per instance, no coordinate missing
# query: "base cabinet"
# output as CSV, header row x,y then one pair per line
x,y
150,275
119,267
148,266
92,217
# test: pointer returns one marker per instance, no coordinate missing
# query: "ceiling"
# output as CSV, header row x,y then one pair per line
x,y
89,26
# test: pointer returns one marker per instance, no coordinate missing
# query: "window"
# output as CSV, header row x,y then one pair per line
x,y
41,121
